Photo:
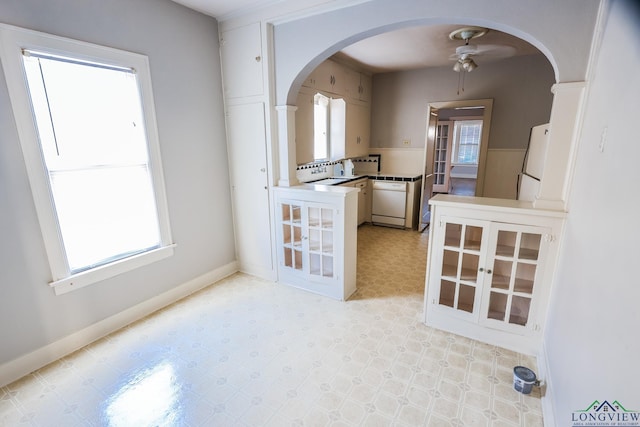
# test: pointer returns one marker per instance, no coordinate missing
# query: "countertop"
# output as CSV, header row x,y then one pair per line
x,y
377,176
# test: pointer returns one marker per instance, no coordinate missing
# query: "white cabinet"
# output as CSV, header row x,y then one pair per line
x,y
358,118
349,93
364,199
358,86
304,128
249,183
490,266
349,129
329,77
316,240
241,51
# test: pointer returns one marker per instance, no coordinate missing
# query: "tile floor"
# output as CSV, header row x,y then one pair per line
x,y
248,352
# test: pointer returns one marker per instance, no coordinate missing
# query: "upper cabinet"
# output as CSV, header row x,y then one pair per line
x,y
328,77
336,79
241,50
358,86
348,114
358,131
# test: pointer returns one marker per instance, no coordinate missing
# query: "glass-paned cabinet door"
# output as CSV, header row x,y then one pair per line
x,y
321,238
461,261
512,275
292,235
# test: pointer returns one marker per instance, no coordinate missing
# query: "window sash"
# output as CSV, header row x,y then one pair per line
x,y
467,137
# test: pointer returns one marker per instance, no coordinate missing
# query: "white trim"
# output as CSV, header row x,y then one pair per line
x,y
23,365
97,274
544,374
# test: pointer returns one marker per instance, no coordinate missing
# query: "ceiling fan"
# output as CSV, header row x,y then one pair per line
x,y
464,54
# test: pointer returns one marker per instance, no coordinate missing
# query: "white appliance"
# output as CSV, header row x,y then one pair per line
x,y
389,203
533,166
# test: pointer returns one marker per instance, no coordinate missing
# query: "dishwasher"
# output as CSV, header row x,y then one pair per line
x,y
389,203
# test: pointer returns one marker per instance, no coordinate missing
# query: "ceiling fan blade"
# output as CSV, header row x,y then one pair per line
x,y
495,50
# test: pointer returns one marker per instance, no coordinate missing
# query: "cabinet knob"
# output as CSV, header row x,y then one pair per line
x,y
489,271
481,269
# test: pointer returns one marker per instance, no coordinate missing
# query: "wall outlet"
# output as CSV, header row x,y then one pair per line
x,y
406,142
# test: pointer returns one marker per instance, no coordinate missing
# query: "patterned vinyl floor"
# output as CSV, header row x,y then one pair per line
x,y
249,352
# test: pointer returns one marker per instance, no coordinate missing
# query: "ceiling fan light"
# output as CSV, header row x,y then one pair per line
x,y
469,65
457,67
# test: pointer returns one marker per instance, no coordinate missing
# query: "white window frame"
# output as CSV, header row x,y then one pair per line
x,y
12,41
457,123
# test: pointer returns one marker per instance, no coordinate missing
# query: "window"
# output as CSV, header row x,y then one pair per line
x,y
466,137
87,129
320,127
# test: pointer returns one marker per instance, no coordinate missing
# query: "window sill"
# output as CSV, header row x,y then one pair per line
x,y
98,274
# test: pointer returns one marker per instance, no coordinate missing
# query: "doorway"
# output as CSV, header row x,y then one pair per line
x,y
437,152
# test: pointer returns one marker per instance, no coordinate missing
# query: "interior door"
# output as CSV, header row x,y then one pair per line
x,y
427,177
442,156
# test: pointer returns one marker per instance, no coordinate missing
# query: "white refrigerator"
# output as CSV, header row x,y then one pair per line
x,y
533,166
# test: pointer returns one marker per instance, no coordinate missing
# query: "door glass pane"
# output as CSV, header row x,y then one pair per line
x,y
447,293
497,306
450,263
506,243
327,266
519,310
525,273
466,298
529,246
327,241
472,237
452,235
326,218
315,264
469,270
501,277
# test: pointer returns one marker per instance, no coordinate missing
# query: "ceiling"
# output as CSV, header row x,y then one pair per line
x,y
424,47
404,49
221,8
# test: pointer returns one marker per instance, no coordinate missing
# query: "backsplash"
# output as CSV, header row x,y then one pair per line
x,y
315,171
321,170
367,165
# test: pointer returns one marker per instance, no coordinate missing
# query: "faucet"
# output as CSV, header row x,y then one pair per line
x,y
319,169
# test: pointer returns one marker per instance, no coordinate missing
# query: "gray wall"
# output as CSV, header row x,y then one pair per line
x,y
182,47
520,88
592,335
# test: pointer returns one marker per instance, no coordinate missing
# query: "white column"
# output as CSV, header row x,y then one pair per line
x,y
564,125
287,145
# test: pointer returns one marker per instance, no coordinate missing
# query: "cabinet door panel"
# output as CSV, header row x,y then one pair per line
x,y
357,130
247,157
514,269
459,276
241,51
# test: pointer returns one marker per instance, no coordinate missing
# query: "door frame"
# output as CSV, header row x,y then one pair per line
x,y
487,104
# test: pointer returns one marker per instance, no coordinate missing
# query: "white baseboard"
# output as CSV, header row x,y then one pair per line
x,y
548,414
23,365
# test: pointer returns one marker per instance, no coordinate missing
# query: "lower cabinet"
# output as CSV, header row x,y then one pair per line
x,y
489,270
364,199
316,238
363,196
